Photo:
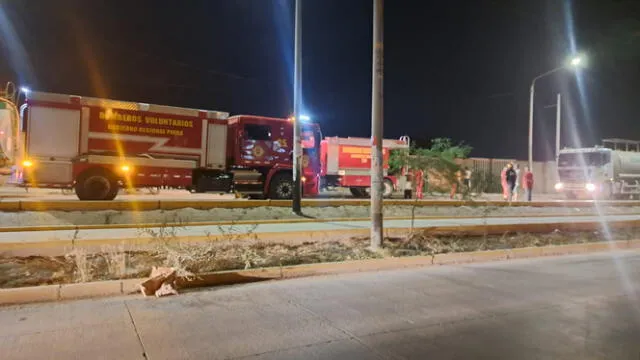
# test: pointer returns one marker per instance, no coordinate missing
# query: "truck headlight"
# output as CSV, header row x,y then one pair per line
x,y
590,187
559,186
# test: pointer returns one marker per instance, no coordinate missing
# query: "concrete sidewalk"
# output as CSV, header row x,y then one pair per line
x,y
577,307
257,229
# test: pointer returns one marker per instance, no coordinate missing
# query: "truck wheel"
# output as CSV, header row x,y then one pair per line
x,y
96,185
387,188
358,192
281,187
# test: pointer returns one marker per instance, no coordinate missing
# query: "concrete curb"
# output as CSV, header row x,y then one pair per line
x,y
272,221
49,293
146,205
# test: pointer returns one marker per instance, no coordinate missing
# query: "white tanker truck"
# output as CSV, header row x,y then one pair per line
x,y
610,171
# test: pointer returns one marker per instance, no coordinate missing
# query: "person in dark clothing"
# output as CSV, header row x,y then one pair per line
x,y
408,187
511,177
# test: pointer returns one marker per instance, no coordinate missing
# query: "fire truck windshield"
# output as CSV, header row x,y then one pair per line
x,y
308,139
584,159
310,136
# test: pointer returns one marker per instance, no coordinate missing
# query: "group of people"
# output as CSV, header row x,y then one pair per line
x,y
511,177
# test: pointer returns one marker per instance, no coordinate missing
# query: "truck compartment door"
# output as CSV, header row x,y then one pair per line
x,y
51,172
53,133
216,146
53,139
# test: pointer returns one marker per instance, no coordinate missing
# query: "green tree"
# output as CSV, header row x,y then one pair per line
x,y
439,157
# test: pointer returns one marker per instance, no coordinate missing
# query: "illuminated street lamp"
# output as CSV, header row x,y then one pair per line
x,y
576,61
573,63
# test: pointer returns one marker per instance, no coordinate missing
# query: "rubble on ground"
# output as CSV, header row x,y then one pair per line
x,y
162,282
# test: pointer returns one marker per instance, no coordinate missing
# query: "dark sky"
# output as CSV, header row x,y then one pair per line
x,y
458,69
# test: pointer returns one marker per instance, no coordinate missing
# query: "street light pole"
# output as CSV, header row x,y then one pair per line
x,y
376,125
532,91
296,206
558,120
574,62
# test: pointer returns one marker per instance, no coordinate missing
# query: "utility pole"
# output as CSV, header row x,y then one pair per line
x,y
558,120
377,97
532,92
297,102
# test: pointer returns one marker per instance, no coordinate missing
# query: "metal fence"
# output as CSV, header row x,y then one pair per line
x,y
485,173
485,176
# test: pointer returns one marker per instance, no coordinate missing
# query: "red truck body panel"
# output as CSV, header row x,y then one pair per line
x,y
350,159
138,132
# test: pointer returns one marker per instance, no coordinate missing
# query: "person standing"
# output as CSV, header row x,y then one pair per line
x,y
511,178
527,182
467,180
419,183
517,185
408,187
455,185
503,182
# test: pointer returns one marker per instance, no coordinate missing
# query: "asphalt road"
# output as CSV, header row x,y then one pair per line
x,y
577,307
107,234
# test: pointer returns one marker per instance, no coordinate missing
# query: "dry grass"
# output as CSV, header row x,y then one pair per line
x,y
82,267
191,259
115,258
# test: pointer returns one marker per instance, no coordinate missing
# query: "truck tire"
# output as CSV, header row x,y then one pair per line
x,y
97,184
387,186
281,187
358,192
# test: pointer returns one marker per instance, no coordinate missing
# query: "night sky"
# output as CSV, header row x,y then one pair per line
x,y
458,69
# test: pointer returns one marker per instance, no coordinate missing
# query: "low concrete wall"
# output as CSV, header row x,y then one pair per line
x,y
487,172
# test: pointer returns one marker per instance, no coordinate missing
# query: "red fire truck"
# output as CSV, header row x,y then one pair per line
x,y
346,162
98,146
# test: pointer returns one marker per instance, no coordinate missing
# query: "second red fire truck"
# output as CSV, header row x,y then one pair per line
x,y
346,162
98,146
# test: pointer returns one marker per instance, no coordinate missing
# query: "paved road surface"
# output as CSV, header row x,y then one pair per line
x,y
8,193
578,307
105,234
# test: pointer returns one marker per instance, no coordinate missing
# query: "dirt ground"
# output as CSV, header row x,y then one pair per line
x,y
192,259
189,215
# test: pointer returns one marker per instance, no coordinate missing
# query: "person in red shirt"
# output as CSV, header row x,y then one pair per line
x,y
503,182
527,182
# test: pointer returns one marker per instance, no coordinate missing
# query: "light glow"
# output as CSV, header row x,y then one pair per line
x,y
576,61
